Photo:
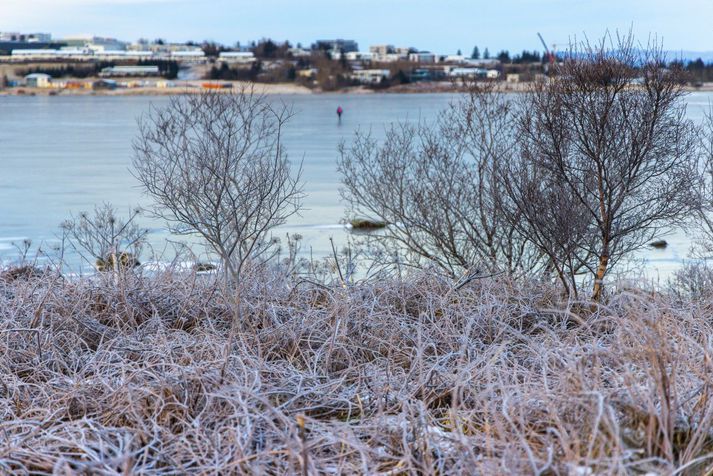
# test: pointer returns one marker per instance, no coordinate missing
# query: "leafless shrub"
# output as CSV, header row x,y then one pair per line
x,y
435,185
693,280
106,240
609,131
215,165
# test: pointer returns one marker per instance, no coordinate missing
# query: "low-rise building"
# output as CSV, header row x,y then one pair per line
x,y
79,54
422,57
190,55
489,63
299,52
237,56
115,71
468,73
95,43
457,59
104,84
25,37
389,54
370,76
427,74
38,80
512,78
358,56
120,54
338,45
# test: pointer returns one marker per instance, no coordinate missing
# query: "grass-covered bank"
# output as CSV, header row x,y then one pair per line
x,y
128,375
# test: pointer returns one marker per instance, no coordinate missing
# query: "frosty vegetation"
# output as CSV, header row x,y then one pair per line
x,y
480,334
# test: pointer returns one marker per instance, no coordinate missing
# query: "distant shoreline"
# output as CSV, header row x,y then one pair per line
x,y
193,87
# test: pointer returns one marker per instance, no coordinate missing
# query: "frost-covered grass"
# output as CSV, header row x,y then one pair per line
x,y
128,375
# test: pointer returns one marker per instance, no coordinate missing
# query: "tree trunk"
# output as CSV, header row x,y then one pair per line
x,y
599,278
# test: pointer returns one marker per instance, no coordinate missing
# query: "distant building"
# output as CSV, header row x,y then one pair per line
x,y
422,57
299,52
482,63
512,78
427,74
237,56
121,54
193,55
79,54
24,41
370,76
114,71
339,45
96,43
104,84
25,37
468,73
389,54
381,50
358,56
163,47
458,59
405,51
38,80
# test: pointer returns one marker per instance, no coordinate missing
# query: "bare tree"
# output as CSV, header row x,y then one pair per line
x,y
215,164
610,131
546,211
435,185
706,244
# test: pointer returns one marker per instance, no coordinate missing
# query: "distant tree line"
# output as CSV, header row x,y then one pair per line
x,y
698,71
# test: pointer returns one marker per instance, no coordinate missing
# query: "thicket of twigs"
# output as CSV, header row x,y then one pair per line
x,y
128,374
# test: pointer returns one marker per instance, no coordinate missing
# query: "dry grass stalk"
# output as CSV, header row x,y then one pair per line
x,y
392,377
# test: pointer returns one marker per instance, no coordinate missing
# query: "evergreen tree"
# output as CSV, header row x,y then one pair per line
x,y
486,54
459,52
476,53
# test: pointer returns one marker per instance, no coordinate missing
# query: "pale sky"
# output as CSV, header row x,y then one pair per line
x,y
441,26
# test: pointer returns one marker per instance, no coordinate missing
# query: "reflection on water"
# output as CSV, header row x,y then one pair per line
x,y
61,155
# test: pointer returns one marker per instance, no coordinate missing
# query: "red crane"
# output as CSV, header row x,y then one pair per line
x,y
550,54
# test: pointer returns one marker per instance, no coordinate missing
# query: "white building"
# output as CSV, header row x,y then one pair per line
x,y
25,37
422,57
237,56
95,43
46,54
468,73
388,54
482,63
187,55
458,59
358,56
122,54
38,80
114,71
370,76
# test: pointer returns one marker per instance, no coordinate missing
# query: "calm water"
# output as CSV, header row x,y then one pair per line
x,y
61,155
